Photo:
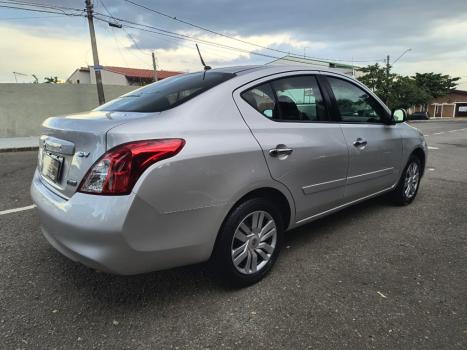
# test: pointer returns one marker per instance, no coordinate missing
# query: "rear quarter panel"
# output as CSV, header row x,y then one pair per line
x,y
220,163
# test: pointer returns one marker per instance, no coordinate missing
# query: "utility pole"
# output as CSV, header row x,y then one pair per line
x,y
387,66
97,67
154,66
387,79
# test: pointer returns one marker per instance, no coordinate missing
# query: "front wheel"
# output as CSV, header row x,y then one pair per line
x,y
248,243
409,183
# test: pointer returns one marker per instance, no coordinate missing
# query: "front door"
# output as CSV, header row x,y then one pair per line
x,y
438,111
375,148
303,150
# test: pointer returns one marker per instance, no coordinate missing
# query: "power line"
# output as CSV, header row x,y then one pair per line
x,y
144,27
160,31
152,29
128,34
39,5
42,11
21,18
237,39
179,36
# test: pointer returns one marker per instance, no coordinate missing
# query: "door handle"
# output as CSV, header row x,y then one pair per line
x,y
361,143
280,151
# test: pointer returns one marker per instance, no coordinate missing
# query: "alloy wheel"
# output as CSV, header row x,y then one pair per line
x,y
412,177
254,242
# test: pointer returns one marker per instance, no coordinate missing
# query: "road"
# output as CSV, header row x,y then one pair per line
x,y
374,276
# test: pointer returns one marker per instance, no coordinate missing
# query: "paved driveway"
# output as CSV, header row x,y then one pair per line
x,y
373,276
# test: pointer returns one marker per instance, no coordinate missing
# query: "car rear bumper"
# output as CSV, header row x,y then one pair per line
x,y
123,234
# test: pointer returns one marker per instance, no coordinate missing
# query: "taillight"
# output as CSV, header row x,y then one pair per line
x,y
117,171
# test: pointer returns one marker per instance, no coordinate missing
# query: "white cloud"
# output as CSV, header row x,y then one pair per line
x,y
51,50
61,53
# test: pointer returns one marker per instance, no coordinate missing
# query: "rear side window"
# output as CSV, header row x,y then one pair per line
x,y
354,104
288,99
167,93
262,99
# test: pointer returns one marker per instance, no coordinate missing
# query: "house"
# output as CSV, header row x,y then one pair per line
x,y
118,76
302,61
452,105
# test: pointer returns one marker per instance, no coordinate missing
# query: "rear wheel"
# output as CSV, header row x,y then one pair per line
x,y
248,243
409,182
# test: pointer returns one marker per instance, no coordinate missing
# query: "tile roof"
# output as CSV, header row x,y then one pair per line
x,y
141,73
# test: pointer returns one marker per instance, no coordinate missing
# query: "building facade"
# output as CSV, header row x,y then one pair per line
x,y
307,62
449,106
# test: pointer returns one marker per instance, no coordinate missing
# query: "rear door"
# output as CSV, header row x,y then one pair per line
x,y
303,150
375,148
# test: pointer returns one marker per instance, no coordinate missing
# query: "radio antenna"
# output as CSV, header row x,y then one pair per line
x,y
201,58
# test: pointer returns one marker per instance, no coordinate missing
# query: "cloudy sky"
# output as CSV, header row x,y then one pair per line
x,y
362,31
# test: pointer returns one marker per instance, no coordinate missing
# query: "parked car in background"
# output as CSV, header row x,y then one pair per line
x,y
419,116
217,165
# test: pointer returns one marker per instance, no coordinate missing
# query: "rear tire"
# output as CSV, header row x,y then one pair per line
x,y
409,183
248,243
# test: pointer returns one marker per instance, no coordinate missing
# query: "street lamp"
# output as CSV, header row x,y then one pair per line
x,y
403,53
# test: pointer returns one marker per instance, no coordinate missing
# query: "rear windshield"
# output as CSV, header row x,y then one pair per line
x,y
166,93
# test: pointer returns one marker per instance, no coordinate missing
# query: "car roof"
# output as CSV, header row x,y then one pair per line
x,y
238,69
274,69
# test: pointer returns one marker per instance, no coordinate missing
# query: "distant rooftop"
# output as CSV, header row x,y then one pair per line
x,y
289,59
137,72
141,73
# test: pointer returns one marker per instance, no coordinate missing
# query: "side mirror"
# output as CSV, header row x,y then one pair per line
x,y
399,115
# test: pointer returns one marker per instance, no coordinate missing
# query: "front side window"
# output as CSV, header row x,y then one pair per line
x,y
288,99
354,104
166,93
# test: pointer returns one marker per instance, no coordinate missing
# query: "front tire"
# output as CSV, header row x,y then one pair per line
x,y
248,243
408,185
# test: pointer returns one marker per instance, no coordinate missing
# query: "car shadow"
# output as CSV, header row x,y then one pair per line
x,y
314,230
183,282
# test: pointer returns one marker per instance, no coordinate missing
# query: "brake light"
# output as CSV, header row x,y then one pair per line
x,y
117,171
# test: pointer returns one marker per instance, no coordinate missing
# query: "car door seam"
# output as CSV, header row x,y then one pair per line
x,y
264,156
324,186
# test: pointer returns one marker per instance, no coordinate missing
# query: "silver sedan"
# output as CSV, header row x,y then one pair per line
x,y
217,165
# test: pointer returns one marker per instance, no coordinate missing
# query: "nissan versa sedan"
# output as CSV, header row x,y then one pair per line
x,y
217,165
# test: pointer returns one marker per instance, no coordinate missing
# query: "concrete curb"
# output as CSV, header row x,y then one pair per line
x,y
433,120
18,149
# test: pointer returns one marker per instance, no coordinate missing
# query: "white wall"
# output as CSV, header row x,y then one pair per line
x,y
23,107
82,76
109,78
312,64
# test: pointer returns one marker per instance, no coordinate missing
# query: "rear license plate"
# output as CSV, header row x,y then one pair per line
x,y
52,166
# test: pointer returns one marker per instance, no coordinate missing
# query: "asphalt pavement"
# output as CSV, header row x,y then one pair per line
x,y
374,276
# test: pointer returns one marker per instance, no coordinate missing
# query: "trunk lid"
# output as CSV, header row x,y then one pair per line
x,y
75,142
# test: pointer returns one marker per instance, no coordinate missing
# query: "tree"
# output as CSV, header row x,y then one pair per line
x,y
377,79
435,84
402,91
51,80
406,93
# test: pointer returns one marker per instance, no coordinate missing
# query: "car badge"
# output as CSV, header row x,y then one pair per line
x,y
82,154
